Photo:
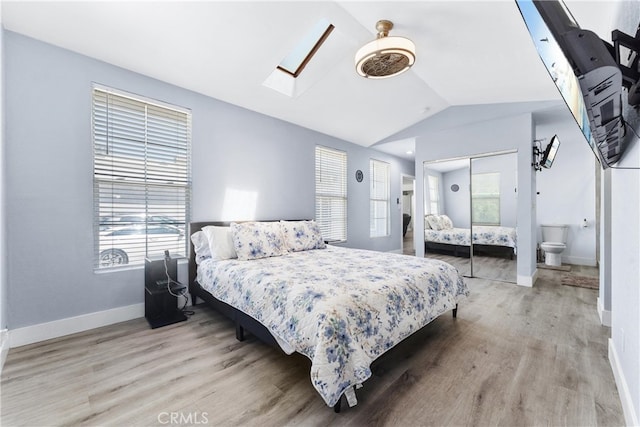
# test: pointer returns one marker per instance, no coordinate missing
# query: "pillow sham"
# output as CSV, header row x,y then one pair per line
x,y
302,235
254,240
427,226
220,242
435,222
200,246
447,224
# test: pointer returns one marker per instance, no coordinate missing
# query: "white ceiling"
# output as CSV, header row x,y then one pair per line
x,y
468,53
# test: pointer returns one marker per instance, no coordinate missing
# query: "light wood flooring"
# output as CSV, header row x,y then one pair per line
x,y
514,356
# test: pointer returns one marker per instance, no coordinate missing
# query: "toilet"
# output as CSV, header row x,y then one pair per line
x,y
554,241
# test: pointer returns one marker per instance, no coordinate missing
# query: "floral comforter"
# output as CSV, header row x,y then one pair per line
x,y
482,235
340,307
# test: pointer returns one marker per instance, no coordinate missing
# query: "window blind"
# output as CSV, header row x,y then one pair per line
x,y
379,198
434,195
142,180
485,198
331,193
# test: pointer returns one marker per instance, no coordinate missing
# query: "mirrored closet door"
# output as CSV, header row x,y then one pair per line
x,y
494,206
447,210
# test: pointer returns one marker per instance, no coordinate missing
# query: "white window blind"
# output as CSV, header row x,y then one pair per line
x,y
434,195
331,193
379,177
142,181
485,198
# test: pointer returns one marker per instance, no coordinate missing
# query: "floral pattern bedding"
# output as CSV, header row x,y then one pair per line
x,y
342,308
482,235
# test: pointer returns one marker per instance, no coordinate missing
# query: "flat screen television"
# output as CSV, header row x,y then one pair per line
x,y
549,154
585,73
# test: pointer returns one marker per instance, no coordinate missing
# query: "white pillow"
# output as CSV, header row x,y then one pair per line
x,y
302,235
220,242
200,246
435,222
253,240
427,226
447,224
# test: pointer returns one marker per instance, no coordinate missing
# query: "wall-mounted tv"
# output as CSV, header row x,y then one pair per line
x,y
584,71
549,154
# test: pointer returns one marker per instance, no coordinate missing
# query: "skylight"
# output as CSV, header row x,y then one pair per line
x,y
302,53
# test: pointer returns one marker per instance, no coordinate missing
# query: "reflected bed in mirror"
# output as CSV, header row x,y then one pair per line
x,y
441,236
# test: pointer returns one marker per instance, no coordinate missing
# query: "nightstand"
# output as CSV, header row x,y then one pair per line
x,y
160,306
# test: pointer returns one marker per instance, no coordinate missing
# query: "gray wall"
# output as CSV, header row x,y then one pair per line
x,y
567,190
457,205
625,245
49,187
3,204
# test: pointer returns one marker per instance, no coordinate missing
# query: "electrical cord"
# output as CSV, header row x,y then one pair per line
x,y
183,289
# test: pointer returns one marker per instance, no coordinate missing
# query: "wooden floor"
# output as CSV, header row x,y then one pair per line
x,y
514,356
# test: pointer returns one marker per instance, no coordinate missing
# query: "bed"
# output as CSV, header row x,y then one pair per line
x,y
490,240
342,308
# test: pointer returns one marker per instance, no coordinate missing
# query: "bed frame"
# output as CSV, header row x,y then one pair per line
x,y
242,321
464,251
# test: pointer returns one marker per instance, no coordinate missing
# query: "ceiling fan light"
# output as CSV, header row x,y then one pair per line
x,y
386,56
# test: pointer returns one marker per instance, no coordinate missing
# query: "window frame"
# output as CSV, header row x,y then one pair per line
x,y
434,194
331,208
141,177
482,198
379,196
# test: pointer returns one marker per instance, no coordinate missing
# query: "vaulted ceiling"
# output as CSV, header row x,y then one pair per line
x,y
468,53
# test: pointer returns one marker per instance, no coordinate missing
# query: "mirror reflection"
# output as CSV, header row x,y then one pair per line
x,y
447,212
473,201
494,205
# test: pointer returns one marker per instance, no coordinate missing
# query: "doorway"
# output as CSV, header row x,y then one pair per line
x,y
408,214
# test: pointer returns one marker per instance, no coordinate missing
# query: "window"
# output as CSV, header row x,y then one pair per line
x,y
485,198
434,194
295,62
331,193
141,178
379,198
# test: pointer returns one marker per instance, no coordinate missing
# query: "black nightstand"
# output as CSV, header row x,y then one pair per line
x,y
160,307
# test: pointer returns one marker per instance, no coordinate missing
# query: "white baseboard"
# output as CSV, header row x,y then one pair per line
x,y
630,414
576,260
4,347
605,315
72,325
527,281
